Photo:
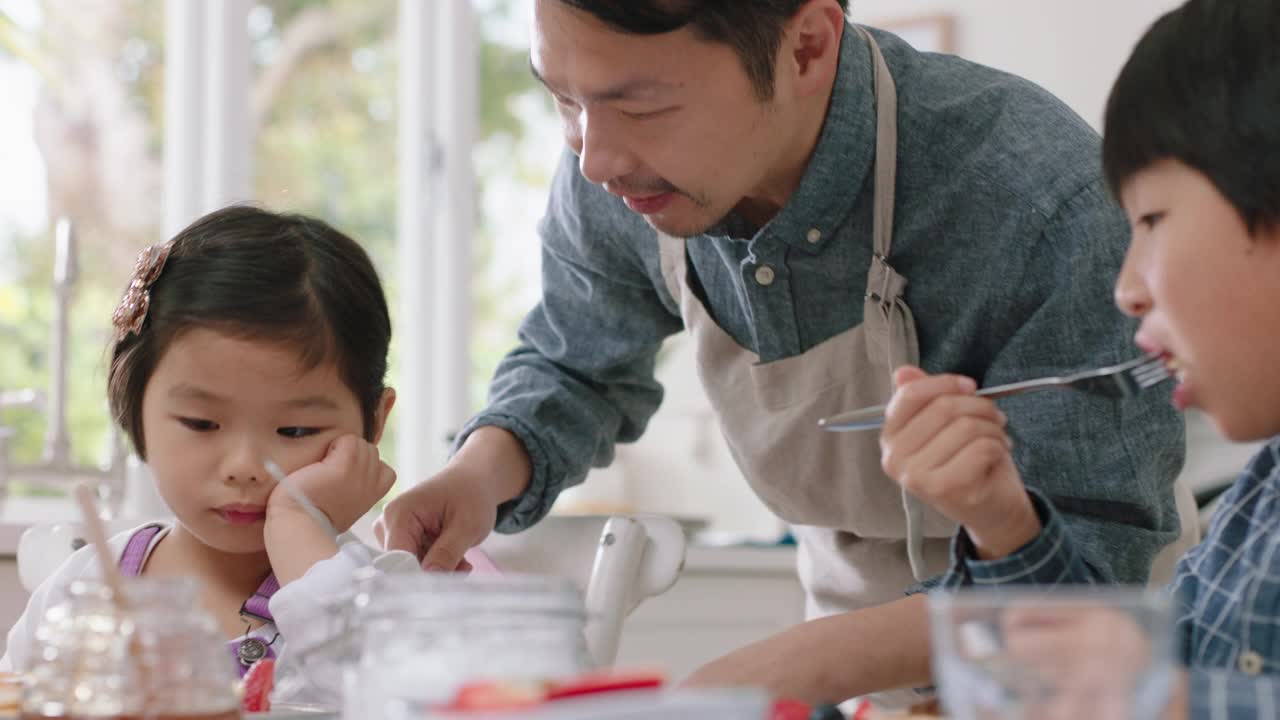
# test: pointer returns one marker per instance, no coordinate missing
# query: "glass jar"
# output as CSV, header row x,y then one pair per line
x,y
413,640
161,657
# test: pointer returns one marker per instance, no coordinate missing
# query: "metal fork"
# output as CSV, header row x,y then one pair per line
x,y
1117,381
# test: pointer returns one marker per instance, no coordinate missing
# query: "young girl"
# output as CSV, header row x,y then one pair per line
x,y
1192,150
250,337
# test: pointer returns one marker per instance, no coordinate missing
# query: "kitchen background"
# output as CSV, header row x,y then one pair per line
x,y
124,119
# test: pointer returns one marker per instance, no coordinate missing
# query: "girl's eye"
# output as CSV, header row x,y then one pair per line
x,y
1150,220
198,425
297,432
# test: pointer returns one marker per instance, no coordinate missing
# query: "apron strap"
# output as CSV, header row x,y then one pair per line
x,y
886,164
671,253
886,288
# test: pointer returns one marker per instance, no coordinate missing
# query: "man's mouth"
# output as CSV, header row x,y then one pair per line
x,y
648,204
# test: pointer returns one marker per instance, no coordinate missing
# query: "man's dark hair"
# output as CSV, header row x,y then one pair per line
x,y
753,28
259,275
1203,88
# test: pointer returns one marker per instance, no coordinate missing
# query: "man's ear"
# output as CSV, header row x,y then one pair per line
x,y
810,51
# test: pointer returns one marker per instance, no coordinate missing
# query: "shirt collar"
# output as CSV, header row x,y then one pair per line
x,y
841,160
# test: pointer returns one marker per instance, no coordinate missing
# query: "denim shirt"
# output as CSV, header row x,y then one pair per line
x,y
1004,230
1226,589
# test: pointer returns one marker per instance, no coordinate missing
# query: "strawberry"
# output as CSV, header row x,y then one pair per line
x,y
257,686
789,710
489,695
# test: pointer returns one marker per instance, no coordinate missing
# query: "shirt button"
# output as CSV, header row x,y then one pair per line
x,y
814,236
764,275
1250,663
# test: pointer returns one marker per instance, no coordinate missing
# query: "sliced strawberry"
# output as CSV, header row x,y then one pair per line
x,y
257,686
497,696
790,710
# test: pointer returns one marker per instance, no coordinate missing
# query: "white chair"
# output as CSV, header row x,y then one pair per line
x,y
616,561
42,548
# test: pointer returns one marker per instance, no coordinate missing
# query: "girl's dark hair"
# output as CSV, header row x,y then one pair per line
x,y
753,28
1203,88
260,275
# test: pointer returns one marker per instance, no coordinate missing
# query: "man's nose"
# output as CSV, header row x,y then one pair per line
x,y
602,154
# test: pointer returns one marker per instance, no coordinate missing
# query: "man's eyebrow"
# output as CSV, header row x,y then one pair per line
x,y
625,90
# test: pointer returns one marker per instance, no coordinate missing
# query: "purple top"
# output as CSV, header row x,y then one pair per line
x,y
246,650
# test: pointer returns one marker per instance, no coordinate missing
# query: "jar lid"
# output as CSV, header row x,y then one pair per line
x,y
426,595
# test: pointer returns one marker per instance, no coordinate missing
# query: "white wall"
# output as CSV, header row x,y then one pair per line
x,y
1074,49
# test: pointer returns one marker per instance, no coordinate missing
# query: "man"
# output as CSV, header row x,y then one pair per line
x,y
769,176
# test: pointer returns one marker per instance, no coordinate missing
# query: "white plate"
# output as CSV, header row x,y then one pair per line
x,y
290,711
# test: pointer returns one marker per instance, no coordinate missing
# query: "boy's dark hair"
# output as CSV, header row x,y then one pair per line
x,y
753,28
260,275
1203,88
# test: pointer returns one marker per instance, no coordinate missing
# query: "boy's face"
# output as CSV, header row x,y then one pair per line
x,y
669,123
1208,295
216,408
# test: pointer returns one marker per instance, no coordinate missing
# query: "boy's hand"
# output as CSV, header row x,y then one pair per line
x,y
344,485
948,447
1094,660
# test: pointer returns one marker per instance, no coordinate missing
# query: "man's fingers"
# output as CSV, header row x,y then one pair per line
x,y
915,396
445,553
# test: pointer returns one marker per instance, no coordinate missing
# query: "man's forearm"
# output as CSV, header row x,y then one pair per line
x,y
878,648
834,658
501,458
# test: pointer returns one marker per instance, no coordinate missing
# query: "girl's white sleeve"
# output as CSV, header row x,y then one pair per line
x,y
306,613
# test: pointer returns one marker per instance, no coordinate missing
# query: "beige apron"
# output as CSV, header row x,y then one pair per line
x,y
862,540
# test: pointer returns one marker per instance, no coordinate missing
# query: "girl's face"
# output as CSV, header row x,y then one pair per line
x,y
1208,295
216,408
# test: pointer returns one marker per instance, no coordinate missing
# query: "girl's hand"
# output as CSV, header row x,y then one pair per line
x,y
344,485
948,447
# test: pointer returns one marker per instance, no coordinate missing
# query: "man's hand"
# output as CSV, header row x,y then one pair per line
x,y
451,512
948,447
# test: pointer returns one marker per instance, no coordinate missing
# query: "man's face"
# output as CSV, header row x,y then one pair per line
x,y
670,123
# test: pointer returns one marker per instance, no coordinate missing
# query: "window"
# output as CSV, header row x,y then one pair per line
x,y
94,102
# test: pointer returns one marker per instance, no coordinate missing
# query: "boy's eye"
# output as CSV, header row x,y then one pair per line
x,y
198,425
297,432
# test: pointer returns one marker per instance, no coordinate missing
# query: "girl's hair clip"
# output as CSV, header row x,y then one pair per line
x,y
131,314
